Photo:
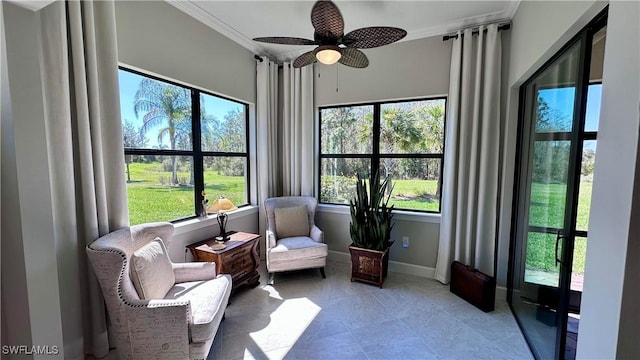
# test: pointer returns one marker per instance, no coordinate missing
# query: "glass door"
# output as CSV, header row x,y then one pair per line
x,y
559,112
545,200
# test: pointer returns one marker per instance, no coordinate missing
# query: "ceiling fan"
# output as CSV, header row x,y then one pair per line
x,y
333,44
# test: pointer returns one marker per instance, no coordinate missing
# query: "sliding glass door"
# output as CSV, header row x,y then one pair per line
x,y
558,129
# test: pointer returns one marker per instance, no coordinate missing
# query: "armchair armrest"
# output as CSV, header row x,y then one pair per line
x,y
194,271
271,239
161,327
317,235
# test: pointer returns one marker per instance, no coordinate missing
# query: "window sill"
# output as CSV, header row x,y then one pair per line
x,y
186,226
401,215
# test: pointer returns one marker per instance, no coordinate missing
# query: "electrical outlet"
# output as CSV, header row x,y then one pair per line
x,y
405,241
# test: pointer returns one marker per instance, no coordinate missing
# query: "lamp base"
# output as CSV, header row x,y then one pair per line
x,y
221,239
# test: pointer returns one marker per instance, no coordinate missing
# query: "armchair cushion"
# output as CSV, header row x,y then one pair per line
x,y
298,247
151,270
208,301
292,221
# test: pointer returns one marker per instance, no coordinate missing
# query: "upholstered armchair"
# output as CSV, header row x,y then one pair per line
x,y
293,241
158,309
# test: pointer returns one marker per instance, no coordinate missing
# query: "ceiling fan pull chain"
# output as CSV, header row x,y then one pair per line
x,y
337,78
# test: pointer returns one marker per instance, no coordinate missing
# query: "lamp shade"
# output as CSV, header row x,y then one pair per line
x,y
222,205
328,54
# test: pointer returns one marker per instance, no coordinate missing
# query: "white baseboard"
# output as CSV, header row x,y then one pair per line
x,y
409,269
501,293
339,256
394,266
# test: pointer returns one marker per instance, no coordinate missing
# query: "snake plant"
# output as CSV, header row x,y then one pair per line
x,y
371,215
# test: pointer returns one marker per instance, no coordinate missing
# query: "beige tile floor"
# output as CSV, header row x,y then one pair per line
x,y
306,317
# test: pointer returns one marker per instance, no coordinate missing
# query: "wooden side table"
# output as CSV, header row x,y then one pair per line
x,y
239,259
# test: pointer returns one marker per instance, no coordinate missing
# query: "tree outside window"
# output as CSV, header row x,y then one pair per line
x,y
402,140
167,169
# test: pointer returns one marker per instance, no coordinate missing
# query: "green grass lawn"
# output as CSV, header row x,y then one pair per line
x,y
541,247
407,194
415,195
151,200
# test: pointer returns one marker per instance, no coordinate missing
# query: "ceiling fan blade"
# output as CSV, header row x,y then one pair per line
x,y
327,20
305,59
374,36
354,58
285,40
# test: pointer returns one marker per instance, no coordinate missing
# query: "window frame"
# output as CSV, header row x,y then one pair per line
x,y
196,153
375,156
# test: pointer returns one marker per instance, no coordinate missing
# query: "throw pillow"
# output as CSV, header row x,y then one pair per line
x,y
151,271
292,221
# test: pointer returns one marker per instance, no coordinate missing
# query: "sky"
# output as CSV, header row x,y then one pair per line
x,y
561,100
218,107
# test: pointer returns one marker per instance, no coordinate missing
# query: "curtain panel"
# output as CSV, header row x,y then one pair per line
x,y
297,130
468,225
86,158
285,132
267,135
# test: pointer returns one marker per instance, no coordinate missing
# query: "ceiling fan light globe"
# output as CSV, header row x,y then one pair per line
x,y
329,55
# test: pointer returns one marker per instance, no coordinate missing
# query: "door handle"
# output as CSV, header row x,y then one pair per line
x,y
558,237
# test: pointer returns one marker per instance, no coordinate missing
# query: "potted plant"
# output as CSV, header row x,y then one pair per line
x,y
370,229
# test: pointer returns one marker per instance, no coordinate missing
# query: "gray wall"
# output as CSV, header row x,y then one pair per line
x,y
540,29
32,254
32,284
611,298
610,315
154,36
15,309
417,68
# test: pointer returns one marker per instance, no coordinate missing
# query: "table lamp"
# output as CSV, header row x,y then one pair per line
x,y
221,206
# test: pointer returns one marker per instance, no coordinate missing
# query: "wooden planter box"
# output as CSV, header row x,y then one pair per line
x,y
369,266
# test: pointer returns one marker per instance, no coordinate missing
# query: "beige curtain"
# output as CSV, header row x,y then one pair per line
x,y
297,130
84,137
470,185
267,134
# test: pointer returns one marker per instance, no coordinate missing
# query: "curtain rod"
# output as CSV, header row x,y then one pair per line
x,y
477,31
259,58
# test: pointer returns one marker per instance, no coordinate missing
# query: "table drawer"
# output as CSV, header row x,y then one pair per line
x,y
239,259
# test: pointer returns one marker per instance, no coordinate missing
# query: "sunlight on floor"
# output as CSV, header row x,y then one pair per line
x,y
288,322
303,316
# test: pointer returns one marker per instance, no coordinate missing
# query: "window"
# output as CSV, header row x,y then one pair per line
x,y
403,140
170,158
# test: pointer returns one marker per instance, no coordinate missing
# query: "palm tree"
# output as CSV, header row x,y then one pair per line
x,y
168,105
398,133
432,116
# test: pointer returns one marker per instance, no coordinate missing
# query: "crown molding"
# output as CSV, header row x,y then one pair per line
x,y
193,10
33,5
511,10
216,24
476,21
290,55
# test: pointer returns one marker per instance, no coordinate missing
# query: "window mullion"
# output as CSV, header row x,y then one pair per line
x,y
198,171
375,158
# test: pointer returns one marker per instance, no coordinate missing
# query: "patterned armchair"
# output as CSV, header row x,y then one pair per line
x,y
293,241
158,309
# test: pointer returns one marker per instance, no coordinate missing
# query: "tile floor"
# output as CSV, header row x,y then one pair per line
x,y
306,317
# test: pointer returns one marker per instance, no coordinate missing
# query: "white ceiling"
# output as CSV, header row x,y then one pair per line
x,y
244,20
